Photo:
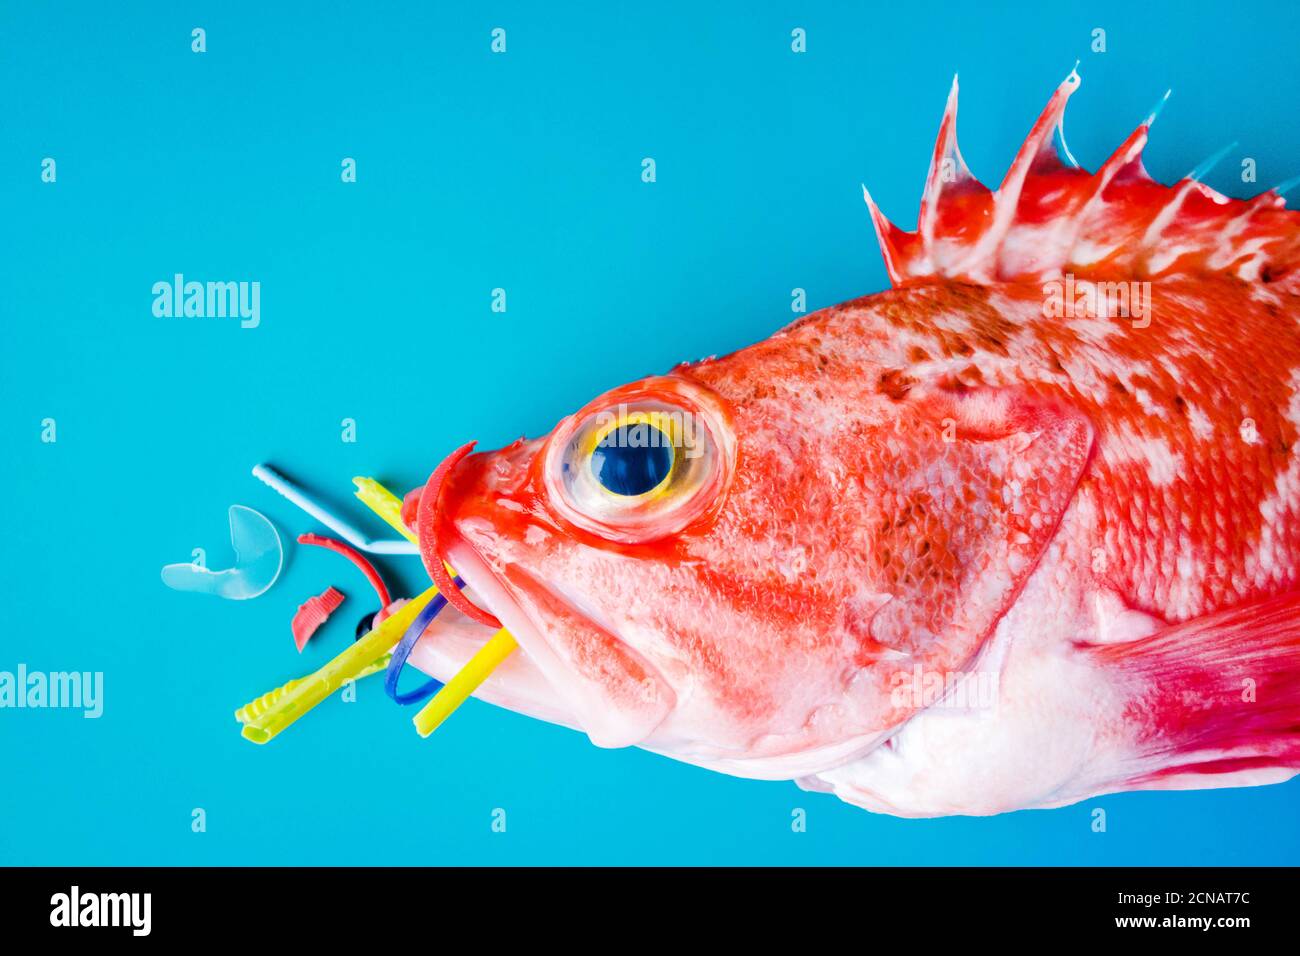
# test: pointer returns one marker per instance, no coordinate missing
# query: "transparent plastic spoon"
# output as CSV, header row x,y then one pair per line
x,y
259,555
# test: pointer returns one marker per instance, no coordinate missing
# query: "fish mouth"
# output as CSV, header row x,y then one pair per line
x,y
516,684
621,705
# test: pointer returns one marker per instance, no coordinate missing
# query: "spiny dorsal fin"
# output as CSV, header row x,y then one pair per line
x,y
955,204
1050,217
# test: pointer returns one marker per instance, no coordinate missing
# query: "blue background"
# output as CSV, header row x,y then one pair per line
x,y
475,171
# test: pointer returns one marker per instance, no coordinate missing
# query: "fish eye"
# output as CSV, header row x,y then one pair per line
x,y
640,463
634,457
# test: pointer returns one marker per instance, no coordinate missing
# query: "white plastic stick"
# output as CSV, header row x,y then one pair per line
x,y
309,503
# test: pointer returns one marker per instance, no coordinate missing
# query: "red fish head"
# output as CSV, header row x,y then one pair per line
x,y
740,563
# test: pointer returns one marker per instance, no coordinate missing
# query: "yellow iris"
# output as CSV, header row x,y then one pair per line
x,y
667,433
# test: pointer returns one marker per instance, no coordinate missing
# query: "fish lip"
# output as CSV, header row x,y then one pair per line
x,y
498,594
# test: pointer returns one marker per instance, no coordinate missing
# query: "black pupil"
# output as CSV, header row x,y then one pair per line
x,y
632,459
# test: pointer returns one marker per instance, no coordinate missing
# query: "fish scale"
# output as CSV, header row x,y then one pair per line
x,y
1210,504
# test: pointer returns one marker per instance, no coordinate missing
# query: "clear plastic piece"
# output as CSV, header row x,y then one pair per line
x,y
259,556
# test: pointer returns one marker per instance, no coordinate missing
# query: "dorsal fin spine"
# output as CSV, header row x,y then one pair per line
x,y
885,231
1117,222
1006,200
1202,169
946,152
1128,152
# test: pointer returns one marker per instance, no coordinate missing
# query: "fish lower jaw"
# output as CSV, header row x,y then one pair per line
x,y
796,765
535,680
539,681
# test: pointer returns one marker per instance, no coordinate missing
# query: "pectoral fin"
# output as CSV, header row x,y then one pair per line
x,y
1214,701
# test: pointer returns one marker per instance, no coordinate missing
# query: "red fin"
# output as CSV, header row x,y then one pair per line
x,y
956,208
1215,695
896,246
1049,218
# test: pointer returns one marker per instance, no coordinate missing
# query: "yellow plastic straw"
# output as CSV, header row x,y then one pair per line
x,y
385,504
500,646
273,712
255,709
476,670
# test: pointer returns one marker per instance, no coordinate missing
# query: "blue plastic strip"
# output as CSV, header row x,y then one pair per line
x,y
403,650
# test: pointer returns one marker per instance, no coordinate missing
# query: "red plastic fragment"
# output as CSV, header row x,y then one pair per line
x,y
312,613
355,556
